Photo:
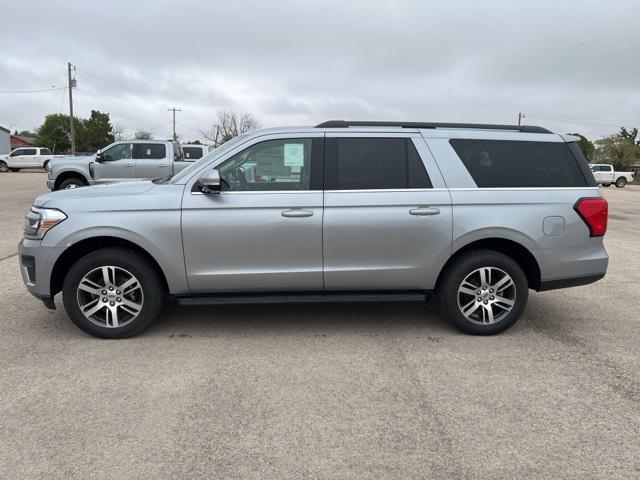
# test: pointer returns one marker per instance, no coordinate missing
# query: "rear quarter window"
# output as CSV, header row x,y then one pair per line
x,y
513,163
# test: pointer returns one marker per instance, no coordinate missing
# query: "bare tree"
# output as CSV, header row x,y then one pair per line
x,y
119,132
229,125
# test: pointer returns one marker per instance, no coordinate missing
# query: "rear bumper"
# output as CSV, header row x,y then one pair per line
x,y
569,282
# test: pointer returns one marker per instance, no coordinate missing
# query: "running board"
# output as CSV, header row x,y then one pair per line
x,y
325,297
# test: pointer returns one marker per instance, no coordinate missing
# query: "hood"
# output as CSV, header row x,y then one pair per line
x,y
105,190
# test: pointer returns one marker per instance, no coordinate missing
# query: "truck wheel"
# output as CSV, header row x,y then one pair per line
x,y
3,166
483,292
606,185
44,165
113,293
73,182
621,182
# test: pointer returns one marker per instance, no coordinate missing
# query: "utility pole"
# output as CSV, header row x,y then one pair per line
x,y
520,117
72,83
174,110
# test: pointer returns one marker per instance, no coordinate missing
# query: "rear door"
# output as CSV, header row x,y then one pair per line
x,y
152,160
387,214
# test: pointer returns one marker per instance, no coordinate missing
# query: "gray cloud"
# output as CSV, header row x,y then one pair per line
x,y
569,65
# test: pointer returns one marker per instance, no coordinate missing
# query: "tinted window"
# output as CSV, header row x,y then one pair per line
x,y
45,151
271,165
504,163
15,153
121,151
29,151
379,163
150,151
192,153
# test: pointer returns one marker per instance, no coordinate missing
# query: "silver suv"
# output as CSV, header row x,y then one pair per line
x,y
344,211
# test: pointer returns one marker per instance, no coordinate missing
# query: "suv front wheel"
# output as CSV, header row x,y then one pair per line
x,y
483,292
113,293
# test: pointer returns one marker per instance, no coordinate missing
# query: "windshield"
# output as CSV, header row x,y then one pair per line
x,y
180,176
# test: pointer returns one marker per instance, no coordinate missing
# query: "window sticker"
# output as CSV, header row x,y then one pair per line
x,y
294,156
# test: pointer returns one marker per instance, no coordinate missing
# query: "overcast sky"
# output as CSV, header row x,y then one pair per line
x,y
568,65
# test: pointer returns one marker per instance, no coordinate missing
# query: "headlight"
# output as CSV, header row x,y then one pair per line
x,y
40,220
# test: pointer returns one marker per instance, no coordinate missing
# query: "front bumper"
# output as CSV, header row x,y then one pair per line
x,y
36,266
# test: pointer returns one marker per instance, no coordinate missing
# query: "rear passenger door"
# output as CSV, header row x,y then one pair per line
x,y
387,214
152,160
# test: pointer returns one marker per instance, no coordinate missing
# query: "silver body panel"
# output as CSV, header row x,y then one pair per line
x,y
346,240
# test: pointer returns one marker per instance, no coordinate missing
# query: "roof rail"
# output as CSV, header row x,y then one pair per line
x,y
516,128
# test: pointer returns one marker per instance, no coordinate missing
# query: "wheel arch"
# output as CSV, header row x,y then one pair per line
x,y
83,247
511,248
70,174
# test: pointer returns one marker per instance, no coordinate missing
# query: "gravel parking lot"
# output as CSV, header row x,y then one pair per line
x,y
326,391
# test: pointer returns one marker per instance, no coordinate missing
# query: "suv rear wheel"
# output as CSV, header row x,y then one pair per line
x,y
113,293
483,292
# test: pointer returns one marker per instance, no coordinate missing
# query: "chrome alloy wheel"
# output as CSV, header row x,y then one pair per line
x,y
110,296
486,295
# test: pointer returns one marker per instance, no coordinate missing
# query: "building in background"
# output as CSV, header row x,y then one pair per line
x,y
22,141
5,141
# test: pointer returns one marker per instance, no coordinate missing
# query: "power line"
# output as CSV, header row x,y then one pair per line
x,y
54,89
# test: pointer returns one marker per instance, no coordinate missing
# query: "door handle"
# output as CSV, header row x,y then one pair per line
x,y
161,165
296,213
128,164
424,211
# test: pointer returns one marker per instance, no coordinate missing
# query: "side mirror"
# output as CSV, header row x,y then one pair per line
x,y
210,182
99,156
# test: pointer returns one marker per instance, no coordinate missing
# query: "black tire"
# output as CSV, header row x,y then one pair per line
x,y
14,169
3,166
72,182
44,165
149,279
621,182
606,185
459,269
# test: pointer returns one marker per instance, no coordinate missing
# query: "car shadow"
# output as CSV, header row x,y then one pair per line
x,y
294,319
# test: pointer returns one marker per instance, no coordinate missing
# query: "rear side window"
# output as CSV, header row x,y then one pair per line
x,y
29,151
508,163
45,151
149,151
192,153
379,163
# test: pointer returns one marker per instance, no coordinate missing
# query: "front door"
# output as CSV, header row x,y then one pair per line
x,y
117,164
263,231
385,225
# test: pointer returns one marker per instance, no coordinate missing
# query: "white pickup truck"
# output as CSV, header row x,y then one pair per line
x,y
606,175
25,157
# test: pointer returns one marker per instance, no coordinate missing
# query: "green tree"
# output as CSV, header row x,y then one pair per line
x,y
54,132
587,146
631,135
617,150
143,135
96,133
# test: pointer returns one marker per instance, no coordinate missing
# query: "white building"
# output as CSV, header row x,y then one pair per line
x,y
5,141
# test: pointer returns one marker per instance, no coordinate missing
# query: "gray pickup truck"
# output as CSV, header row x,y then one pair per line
x,y
121,161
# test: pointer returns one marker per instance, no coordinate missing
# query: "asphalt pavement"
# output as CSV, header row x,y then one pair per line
x,y
325,391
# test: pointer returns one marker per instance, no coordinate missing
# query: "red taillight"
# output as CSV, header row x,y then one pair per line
x,y
594,212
